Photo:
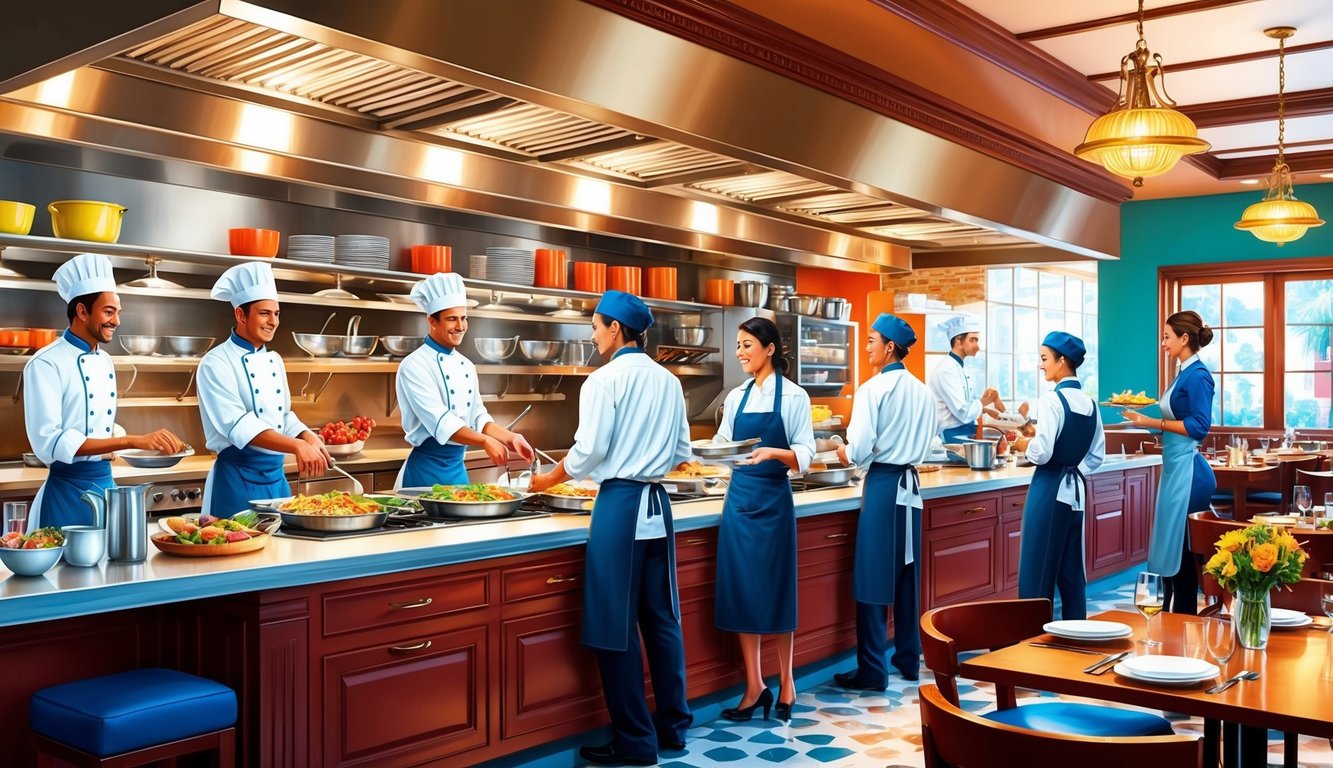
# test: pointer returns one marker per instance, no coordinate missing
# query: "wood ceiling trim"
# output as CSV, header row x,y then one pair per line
x,y
1222,61
1127,18
737,32
1259,108
1261,165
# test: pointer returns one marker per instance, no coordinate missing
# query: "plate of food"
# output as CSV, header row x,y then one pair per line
x,y
215,538
1130,399
264,522
716,449
695,469
573,496
471,500
332,511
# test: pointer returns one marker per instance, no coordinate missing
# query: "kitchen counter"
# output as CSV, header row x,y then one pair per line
x,y
67,591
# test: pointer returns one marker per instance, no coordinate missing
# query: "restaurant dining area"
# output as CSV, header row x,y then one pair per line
x,y
691,383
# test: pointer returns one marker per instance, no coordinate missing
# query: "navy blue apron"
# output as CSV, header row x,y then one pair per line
x,y
65,483
962,431
242,474
881,531
756,543
431,463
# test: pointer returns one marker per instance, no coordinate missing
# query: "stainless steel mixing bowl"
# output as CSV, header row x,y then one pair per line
x,y
497,350
188,346
542,351
400,346
319,344
139,345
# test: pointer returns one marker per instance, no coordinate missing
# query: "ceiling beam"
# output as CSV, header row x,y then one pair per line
x,y
1262,165
1222,61
1259,108
1126,18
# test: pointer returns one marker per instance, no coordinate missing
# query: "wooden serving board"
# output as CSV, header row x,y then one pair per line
x,y
167,543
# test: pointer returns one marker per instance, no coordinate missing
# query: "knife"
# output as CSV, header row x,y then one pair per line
x,y
1067,648
1104,665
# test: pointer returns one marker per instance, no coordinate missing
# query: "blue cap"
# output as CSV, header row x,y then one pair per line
x,y
1066,344
895,329
627,308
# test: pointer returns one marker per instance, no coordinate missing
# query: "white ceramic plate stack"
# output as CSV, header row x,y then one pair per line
x,y
313,248
1167,670
366,251
1088,631
1285,619
515,266
476,267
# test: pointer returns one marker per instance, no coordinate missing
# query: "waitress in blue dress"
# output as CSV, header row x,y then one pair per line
x,y
1069,444
892,426
69,398
756,543
245,402
632,430
1187,483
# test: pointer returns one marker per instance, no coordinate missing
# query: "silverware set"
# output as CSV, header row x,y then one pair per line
x,y
1098,667
1230,681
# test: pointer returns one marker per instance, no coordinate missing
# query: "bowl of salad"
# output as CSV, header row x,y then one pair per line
x,y
33,554
472,500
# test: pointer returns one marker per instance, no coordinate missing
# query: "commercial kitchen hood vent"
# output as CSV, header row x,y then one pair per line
x,y
768,187
661,161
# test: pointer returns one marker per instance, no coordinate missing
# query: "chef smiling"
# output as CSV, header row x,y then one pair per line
x,y
245,403
958,406
69,398
440,397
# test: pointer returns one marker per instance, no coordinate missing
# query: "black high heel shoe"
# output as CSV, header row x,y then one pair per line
x,y
741,714
782,710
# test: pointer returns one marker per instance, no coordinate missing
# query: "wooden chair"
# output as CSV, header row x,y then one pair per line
x,y
1205,529
953,629
953,737
1320,482
1279,499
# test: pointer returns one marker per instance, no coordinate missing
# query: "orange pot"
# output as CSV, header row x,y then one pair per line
x,y
248,241
40,337
551,268
429,259
719,291
662,283
590,276
19,338
627,279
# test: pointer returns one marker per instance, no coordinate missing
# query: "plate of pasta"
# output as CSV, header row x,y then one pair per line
x,y
470,500
332,511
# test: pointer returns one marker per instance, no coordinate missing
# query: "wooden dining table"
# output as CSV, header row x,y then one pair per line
x,y
1294,692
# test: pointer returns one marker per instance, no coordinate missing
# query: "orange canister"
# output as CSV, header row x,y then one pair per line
x,y
627,279
551,268
429,259
719,291
590,276
661,283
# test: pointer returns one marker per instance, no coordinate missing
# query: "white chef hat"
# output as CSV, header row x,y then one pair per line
x,y
84,274
441,290
961,324
245,283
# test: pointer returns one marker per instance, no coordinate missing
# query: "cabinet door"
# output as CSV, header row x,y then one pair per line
x,y
826,614
1010,538
959,563
405,703
549,677
1107,536
1139,496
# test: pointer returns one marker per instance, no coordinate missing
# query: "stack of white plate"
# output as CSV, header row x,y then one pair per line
x,y
1284,618
368,251
510,265
316,248
476,267
1167,670
1091,631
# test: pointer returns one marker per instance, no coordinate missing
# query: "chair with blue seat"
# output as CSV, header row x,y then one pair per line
x,y
134,718
953,629
1279,499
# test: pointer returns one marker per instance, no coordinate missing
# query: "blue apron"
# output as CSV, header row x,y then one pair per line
x,y
58,504
756,543
1187,485
241,474
431,463
606,619
962,431
881,532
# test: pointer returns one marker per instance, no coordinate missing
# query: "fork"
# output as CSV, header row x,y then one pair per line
x,y
1230,681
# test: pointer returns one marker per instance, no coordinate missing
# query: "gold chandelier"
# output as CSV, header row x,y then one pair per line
x,y
1280,217
1143,134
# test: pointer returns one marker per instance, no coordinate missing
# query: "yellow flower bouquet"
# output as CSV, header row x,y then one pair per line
x,y
1249,563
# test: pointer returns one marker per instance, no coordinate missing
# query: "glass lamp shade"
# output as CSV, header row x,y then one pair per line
x,y
1279,220
1140,142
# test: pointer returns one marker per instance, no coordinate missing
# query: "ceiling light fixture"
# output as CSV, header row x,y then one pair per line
x,y
1280,217
1143,134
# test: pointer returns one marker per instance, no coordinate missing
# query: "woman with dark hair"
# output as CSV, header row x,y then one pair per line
x,y
756,544
1188,482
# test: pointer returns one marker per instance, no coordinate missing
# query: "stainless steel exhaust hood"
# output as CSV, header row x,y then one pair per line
x,y
553,111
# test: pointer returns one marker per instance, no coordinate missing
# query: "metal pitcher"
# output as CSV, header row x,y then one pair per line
x,y
125,512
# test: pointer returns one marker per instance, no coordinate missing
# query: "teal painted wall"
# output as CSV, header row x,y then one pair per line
x,y
1190,230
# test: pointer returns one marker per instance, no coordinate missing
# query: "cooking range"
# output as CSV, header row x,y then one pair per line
x,y
404,523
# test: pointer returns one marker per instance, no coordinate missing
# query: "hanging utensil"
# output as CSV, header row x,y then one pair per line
x,y
151,280
520,415
357,488
336,292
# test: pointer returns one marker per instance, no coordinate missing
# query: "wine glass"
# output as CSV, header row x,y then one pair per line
x,y
1302,500
1220,637
1148,600
1263,443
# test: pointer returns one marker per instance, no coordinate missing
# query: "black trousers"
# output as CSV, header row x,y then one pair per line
x,y
1180,593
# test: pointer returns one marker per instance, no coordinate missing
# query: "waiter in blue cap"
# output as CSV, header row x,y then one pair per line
x,y
958,404
440,397
1069,444
245,402
632,428
69,398
892,426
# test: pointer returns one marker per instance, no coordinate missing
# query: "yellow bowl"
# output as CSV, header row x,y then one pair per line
x,y
86,220
16,218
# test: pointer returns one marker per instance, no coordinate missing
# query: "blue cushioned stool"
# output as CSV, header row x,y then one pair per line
x,y
134,718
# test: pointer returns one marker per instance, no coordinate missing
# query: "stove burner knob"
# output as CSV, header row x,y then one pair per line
x,y
158,496
177,494
192,494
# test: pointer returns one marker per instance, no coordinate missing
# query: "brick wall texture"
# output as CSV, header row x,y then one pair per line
x,y
954,285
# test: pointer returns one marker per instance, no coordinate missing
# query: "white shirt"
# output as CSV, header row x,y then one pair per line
x,y
956,399
893,421
438,393
243,392
1051,416
69,395
632,425
795,415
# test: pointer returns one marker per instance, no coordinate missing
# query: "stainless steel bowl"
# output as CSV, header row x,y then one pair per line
x,y
542,351
834,308
497,350
154,459
711,449
359,346
401,346
831,476
692,335
806,305
780,303
440,508
569,503
139,345
319,344
577,352
980,454
751,293
188,346
333,522
31,460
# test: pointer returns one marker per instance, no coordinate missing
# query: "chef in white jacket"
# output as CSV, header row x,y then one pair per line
x,y
440,397
69,398
245,402
959,402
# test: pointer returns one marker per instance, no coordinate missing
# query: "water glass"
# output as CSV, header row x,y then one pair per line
x,y
1148,601
1263,443
1302,500
1221,639
16,516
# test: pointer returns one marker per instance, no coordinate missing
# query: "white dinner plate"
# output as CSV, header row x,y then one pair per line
x,y
1304,621
1167,668
1078,629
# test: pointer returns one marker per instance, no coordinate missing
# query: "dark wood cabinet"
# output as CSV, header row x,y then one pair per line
x,y
1106,522
960,557
1140,499
1010,542
826,614
550,677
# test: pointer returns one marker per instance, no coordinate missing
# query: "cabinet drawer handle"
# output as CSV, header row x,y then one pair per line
x,y
562,579
695,542
421,646
837,535
420,603
1016,504
974,510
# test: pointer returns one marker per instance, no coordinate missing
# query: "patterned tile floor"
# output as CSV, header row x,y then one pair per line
x,y
842,729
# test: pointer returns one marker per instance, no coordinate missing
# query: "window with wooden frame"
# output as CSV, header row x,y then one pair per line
x,y
1270,353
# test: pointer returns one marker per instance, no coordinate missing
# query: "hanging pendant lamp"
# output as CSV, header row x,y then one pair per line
x,y
1280,218
1143,134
